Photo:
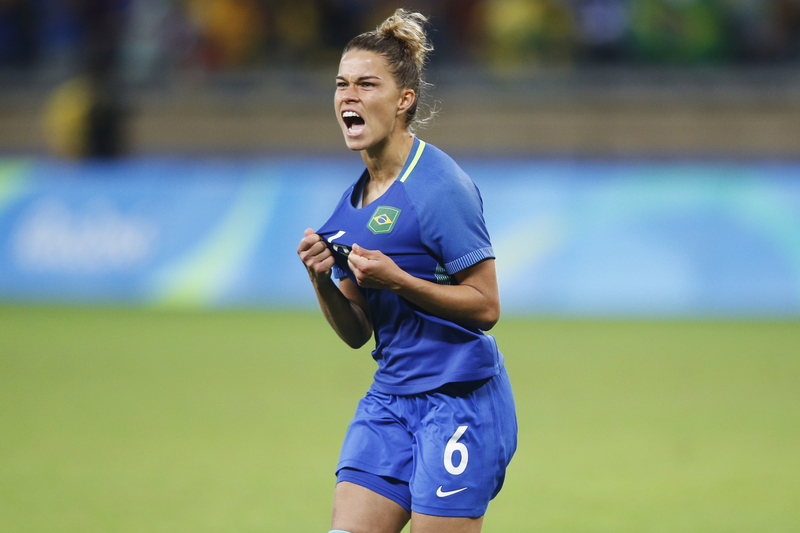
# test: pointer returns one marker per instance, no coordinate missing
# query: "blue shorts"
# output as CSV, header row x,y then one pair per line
x,y
441,453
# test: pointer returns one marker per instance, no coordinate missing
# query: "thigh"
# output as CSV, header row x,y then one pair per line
x,y
359,510
421,523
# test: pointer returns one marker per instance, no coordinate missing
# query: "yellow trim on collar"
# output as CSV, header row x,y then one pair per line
x,y
420,148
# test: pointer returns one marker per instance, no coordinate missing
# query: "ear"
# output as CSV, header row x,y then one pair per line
x,y
407,99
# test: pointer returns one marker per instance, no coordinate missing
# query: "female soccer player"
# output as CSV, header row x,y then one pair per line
x,y
431,440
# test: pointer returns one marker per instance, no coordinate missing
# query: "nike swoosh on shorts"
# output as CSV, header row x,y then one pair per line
x,y
442,494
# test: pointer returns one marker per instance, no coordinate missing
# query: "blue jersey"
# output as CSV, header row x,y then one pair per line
x,y
430,222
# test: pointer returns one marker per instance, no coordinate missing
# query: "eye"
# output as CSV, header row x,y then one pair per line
x,y
341,84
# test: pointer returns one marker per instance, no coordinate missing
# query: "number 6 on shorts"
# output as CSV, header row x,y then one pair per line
x,y
452,446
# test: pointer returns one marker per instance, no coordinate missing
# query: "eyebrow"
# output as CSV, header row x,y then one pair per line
x,y
362,78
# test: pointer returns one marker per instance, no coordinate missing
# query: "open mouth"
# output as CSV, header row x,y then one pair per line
x,y
353,122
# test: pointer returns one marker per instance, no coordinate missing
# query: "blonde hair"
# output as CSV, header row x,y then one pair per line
x,y
401,39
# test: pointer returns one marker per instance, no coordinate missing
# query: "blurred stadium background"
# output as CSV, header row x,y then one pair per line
x,y
645,152
162,366
569,77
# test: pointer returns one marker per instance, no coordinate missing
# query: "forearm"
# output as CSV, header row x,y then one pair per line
x,y
465,305
473,302
347,319
344,307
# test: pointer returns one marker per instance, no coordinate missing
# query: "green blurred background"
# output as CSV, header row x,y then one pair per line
x,y
133,420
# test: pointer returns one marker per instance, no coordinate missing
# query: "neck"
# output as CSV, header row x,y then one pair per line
x,y
385,160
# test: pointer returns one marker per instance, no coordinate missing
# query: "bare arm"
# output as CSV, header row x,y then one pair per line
x,y
474,302
344,307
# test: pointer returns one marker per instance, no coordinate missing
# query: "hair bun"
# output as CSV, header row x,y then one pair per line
x,y
408,27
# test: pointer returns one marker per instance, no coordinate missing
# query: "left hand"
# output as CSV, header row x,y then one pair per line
x,y
373,269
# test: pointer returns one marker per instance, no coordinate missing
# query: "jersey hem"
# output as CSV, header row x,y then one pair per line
x,y
337,272
421,387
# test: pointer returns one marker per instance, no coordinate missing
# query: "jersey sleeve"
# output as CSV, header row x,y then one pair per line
x,y
450,212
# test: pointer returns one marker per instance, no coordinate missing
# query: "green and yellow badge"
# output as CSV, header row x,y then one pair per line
x,y
383,219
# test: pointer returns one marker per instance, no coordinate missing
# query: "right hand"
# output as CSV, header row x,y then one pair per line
x,y
316,255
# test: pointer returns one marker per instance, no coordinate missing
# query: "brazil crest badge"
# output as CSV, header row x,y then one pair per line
x,y
383,219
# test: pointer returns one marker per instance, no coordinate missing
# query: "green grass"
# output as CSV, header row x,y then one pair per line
x,y
145,421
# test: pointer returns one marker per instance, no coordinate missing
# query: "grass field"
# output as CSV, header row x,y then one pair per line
x,y
151,421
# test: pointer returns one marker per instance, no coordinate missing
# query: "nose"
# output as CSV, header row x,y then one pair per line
x,y
349,94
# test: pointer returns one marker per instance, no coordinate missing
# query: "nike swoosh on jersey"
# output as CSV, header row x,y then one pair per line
x,y
442,494
333,238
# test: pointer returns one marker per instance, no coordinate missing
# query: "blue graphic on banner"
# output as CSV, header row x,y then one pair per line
x,y
571,238
631,239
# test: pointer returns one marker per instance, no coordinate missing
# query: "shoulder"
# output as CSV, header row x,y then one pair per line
x,y
449,209
436,175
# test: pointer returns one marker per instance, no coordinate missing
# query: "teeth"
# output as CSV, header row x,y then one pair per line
x,y
348,114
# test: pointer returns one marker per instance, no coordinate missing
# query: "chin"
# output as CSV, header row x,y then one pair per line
x,y
356,144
